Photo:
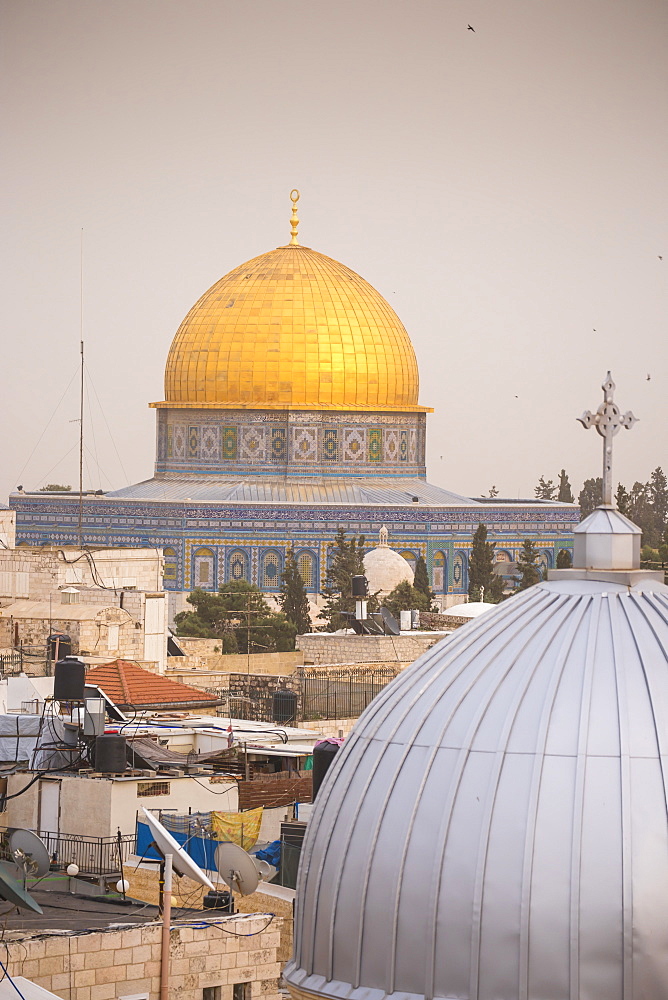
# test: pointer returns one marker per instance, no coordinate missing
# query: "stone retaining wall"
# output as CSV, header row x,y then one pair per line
x,y
327,648
114,962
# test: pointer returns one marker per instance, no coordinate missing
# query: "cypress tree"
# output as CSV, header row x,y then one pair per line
x,y
565,494
529,572
292,598
481,569
564,559
421,581
347,561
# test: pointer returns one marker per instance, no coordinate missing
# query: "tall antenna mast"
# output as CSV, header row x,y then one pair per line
x,y
81,398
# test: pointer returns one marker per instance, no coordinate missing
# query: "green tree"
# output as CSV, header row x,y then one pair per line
x,y
546,490
529,573
404,597
240,610
565,494
564,559
421,582
54,488
658,491
481,569
293,599
622,500
347,561
590,497
641,511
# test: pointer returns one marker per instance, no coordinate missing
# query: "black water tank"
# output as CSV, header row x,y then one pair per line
x,y
58,646
110,754
360,586
284,706
220,899
69,679
323,755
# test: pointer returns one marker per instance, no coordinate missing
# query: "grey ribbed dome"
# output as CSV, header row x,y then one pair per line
x,y
496,826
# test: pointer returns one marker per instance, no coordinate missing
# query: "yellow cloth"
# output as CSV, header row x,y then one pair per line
x,y
242,828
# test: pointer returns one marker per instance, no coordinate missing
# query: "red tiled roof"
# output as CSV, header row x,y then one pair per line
x,y
131,686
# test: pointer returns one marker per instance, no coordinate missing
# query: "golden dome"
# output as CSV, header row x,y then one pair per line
x,y
292,329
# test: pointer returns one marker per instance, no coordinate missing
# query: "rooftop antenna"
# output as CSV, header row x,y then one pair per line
x,y
81,394
607,420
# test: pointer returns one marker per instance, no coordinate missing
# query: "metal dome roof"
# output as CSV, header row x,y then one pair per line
x,y
496,826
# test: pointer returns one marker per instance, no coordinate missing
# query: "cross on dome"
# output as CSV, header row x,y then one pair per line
x,y
607,420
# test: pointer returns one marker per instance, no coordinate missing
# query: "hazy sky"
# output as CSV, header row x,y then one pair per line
x,y
503,188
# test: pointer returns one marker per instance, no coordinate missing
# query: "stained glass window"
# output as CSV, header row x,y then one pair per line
x,y
204,569
271,571
438,572
171,565
237,566
305,565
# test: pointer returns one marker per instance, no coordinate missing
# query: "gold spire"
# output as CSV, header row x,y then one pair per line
x,y
294,221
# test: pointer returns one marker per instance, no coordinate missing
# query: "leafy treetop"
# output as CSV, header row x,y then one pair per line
x,y
238,615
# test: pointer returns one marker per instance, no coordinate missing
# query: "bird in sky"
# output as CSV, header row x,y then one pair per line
x,y
649,378
471,29
659,256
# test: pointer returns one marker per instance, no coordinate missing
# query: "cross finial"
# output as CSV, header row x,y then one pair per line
x,y
607,420
294,221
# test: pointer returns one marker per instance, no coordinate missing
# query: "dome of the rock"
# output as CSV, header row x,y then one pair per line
x,y
292,328
496,827
384,568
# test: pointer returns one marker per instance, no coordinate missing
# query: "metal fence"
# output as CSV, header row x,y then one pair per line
x,y
322,693
95,856
11,663
340,692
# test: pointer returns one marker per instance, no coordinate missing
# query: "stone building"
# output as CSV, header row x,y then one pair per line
x,y
291,409
110,602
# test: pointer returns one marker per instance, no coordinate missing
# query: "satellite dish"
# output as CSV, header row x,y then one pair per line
x,y
237,868
12,890
264,869
29,853
182,862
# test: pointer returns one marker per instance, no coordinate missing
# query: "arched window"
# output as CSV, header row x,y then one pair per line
x,y
306,567
171,566
204,569
460,571
270,571
438,572
410,558
544,561
237,566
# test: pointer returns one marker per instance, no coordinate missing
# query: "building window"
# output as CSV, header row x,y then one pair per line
x,y
150,788
271,571
169,573
213,992
306,566
204,569
410,558
438,572
241,991
460,571
237,566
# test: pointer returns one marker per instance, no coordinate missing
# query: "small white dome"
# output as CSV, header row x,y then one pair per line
x,y
470,610
384,568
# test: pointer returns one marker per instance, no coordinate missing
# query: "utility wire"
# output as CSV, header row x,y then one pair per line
x,y
18,478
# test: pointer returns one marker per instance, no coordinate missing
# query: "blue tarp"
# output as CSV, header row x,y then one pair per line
x,y
200,849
